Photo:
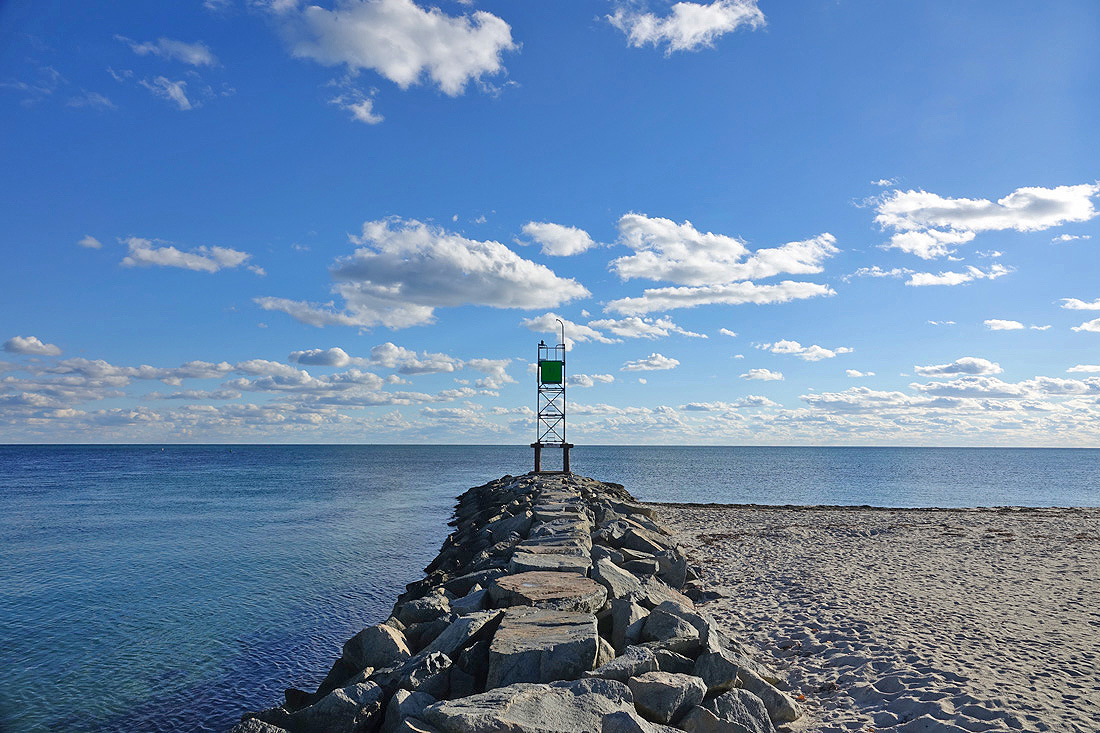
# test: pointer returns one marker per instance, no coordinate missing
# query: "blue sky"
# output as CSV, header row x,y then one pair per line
x,y
826,222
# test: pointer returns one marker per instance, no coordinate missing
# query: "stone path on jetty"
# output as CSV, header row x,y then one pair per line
x,y
556,605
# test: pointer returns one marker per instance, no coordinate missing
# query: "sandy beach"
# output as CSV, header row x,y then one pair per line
x,y
912,620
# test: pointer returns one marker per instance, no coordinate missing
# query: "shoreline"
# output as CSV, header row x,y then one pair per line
x,y
911,619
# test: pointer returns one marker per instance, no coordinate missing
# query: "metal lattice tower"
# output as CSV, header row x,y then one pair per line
x,y
550,404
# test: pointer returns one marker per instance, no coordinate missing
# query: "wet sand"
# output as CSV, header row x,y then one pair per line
x,y
912,620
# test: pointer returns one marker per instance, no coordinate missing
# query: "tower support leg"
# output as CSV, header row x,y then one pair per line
x,y
538,456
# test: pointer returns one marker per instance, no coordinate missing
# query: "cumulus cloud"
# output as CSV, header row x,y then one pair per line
x,y
997,324
688,26
807,353
965,365
764,375
653,362
638,327
856,374
727,332
921,279
548,323
146,253
401,41
930,226
590,380
558,240
1090,368
30,345
658,299
1093,326
90,242
679,253
194,54
334,357
173,91
407,361
883,182
1074,304
404,269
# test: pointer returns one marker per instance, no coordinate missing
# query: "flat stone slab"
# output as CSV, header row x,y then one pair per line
x,y
553,547
558,591
565,707
523,562
541,645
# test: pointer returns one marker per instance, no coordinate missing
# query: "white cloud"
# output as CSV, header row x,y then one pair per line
x,y
90,242
406,361
1074,304
30,345
653,362
334,357
807,353
876,271
659,299
727,332
195,54
965,365
548,323
590,380
642,380
1069,237
402,42
679,253
765,375
941,323
495,371
920,279
558,240
1093,326
929,225
856,374
1039,328
404,269
1089,368
92,100
173,91
885,182
688,26
997,324
638,327
360,106
144,253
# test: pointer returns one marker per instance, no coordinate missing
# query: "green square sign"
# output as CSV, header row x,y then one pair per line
x,y
550,372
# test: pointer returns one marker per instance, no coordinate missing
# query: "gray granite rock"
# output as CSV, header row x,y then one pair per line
x,y
718,669
352,709
558,591
416,725
670,661
404,704
662,625
627,723
426,672
376,646
635,661
541,645
520,524
619,582
664,697
254,725
523,562
736,711
605,652
462,631
599,552
627,620
564,707
648,566
428,608
781,707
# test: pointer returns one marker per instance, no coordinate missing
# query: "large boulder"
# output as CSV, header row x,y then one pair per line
x,y
429,608
672,631
557,591
376,646
426,672
523,562
635,661
781,707
736,711
541,645
619,583
501,528
404,704
462,631
352,709
255,725
664,697
563,707
627,620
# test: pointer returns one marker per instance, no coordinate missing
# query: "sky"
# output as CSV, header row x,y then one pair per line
x,y
831,222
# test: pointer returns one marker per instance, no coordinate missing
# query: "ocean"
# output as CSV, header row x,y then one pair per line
x,y
171,588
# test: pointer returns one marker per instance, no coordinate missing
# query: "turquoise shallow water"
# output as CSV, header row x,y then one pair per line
x,y
171,589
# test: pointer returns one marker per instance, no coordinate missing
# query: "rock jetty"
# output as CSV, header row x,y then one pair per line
x,y
557,604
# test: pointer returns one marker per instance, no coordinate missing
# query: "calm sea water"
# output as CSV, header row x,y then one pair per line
x,y
151,589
